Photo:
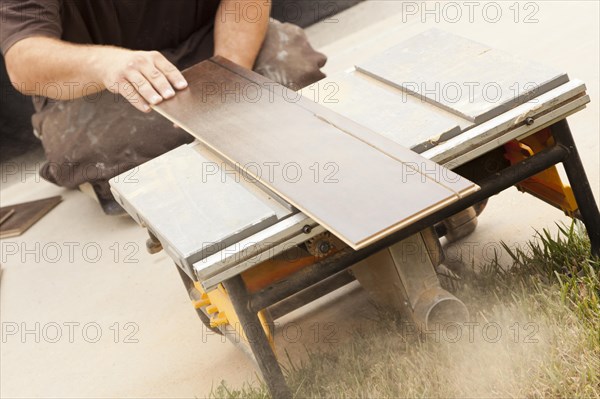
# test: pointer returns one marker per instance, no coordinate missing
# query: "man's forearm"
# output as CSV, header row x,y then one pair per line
x,y
53,68
64,71
240,28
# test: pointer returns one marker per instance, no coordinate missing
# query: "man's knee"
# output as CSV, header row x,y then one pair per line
x,y
88,141
288,58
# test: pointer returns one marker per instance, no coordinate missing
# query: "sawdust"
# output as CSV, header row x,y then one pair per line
x,y
508,350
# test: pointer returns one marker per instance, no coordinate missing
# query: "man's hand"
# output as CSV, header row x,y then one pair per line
x,y
141,77
70,71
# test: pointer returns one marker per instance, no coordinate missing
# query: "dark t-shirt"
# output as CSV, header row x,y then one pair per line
x,y
133,24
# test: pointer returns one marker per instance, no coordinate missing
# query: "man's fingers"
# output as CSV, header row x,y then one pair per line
x,y
170,71
143,87
158,80
130,93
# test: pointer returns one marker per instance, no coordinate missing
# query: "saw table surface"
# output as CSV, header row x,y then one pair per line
x,y
433,87
467,78
193,187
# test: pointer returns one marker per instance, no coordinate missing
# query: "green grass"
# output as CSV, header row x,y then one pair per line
x,y
546,304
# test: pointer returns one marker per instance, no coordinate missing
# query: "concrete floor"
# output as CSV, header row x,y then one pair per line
x,y
78,273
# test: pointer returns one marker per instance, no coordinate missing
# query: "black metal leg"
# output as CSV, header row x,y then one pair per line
x,y
580,184
267,362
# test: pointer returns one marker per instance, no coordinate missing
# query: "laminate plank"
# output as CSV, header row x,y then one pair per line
x,y
354,190
412,160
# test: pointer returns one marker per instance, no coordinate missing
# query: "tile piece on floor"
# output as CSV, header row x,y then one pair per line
x,y
17,219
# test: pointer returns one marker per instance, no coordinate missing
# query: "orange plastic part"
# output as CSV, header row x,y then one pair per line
x,y
546,185
275,269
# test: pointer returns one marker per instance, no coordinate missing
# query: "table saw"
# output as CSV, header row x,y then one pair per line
x,y
476,121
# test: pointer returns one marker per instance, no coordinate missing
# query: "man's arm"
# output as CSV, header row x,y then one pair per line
x,y
53,68
240,28
63,71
